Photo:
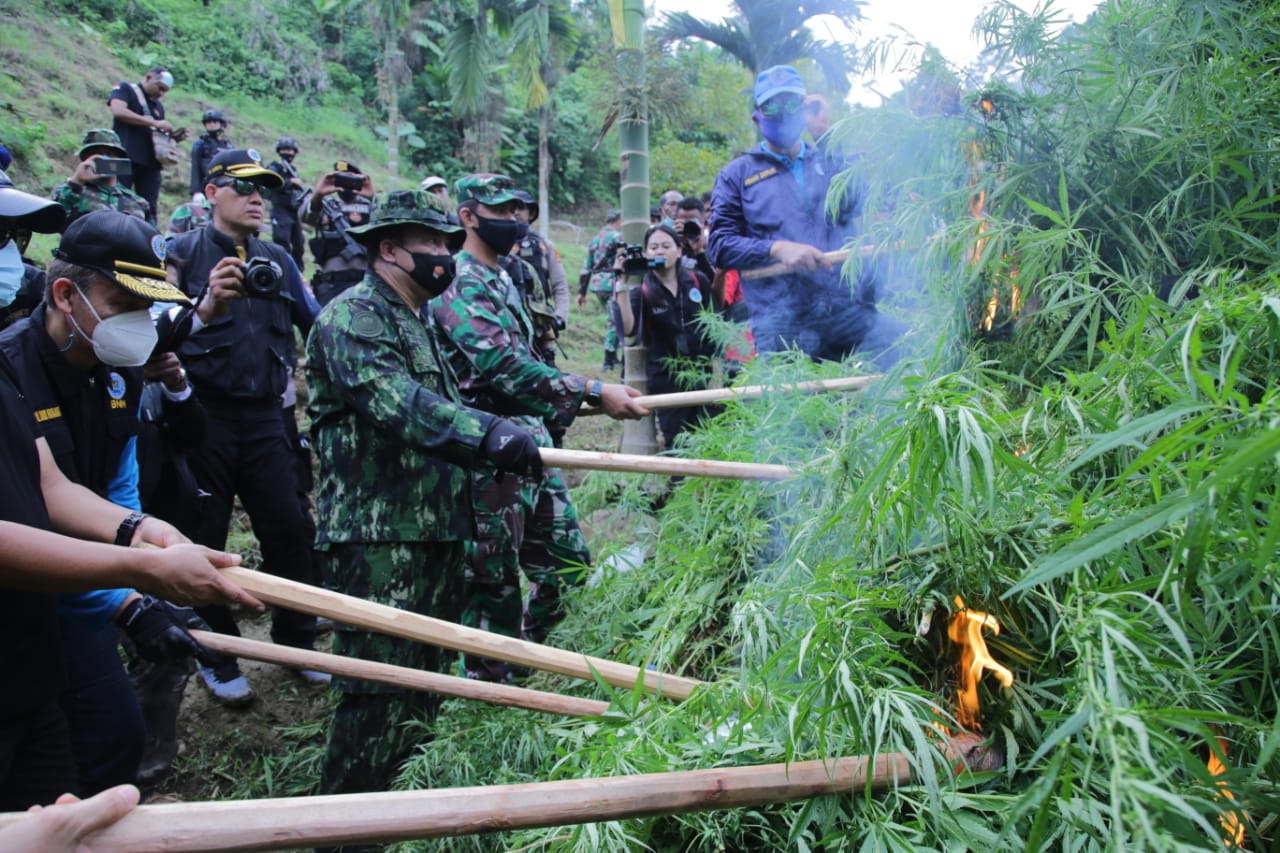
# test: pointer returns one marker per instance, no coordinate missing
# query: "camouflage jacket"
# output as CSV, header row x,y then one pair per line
x,y
387,424
599,261
79,199
491,343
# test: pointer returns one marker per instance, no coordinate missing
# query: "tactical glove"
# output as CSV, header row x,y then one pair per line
x,y
158,630
512,449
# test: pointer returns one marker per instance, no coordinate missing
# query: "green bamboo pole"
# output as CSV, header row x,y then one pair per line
x,y
638,437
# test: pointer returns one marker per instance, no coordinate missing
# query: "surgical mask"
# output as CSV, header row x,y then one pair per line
x,y
125,340
783,130
433,273
500,234
12,271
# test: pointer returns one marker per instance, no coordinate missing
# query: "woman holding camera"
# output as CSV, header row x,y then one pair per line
x,y
664,312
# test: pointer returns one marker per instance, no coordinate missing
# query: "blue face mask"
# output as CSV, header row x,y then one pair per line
x,y
781,131
11,272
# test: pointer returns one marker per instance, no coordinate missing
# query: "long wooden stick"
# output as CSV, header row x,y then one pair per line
x,y
397,816
403,676
745,392
438,632
636,464
837,257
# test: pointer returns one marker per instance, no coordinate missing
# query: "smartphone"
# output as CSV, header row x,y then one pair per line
x,y
118,166
348,181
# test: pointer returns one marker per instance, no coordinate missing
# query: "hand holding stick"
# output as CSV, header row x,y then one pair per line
x,y
745,392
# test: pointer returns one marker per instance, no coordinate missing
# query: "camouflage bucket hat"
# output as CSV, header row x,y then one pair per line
x,y
410,207
101,137
486,188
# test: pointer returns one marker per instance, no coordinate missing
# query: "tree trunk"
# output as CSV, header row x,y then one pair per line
x,y
633,134
544,169
392,95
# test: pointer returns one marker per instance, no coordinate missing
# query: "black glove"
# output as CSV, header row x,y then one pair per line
x,y
512,449
157,631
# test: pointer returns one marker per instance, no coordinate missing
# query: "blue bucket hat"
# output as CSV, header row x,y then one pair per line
x,y
778,80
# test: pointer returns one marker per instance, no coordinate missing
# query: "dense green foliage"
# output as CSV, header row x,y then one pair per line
x,y
1099,471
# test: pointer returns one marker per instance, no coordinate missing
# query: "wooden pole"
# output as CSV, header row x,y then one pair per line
x,y
403,676
397,816
447,635
745,392
837,257
633,464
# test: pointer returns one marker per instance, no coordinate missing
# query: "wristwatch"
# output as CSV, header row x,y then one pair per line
x,y
592,397
128,527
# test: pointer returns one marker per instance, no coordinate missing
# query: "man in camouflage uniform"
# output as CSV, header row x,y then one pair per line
x,y
88,190
188,217
524,523
598,277
335,208
394,507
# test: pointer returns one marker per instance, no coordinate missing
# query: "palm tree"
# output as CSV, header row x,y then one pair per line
x,y
765,33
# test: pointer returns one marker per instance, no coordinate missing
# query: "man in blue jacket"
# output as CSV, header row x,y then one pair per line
x,y
769,207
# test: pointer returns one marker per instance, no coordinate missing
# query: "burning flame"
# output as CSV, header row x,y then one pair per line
x,y
978,210
965,630
1232,826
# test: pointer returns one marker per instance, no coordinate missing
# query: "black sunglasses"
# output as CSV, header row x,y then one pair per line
x,y
242,186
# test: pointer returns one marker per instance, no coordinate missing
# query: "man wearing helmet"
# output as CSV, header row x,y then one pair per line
x,y
286,228
204,149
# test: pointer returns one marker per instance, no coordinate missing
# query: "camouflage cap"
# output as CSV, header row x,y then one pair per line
x,y
124,248
410,207
101,137
486,188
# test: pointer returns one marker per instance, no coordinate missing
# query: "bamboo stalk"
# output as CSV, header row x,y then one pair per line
x,y
438,632
745,392
634,464
403,676
396,816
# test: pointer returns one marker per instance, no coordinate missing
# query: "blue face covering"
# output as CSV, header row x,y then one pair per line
x,y
11,272
783,130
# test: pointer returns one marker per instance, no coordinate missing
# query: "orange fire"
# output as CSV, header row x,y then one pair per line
x,y
978,210
1232,826
965,630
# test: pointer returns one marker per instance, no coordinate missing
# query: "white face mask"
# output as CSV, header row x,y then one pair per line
x,y
125,340
11,272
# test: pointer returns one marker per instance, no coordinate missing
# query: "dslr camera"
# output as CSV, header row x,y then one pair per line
x,y
633,259
348,181
690,230
262,277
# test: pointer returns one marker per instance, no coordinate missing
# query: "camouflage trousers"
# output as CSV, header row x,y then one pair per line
x,y
375,726
612,333
521,524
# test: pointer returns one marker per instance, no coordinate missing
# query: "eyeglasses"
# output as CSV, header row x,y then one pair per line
x,y
775,107
241,186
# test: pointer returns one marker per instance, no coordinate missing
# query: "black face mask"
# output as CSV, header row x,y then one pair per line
x,y
215,133
500,234
288,158
432,273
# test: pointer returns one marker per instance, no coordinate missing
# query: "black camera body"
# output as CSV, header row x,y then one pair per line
x,y
633,259
348,181
262,277
118,166
690,230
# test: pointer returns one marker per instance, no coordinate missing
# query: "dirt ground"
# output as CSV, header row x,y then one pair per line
x,y
218,746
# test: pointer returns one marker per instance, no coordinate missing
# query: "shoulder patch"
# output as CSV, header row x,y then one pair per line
x,y
367,324
760,176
